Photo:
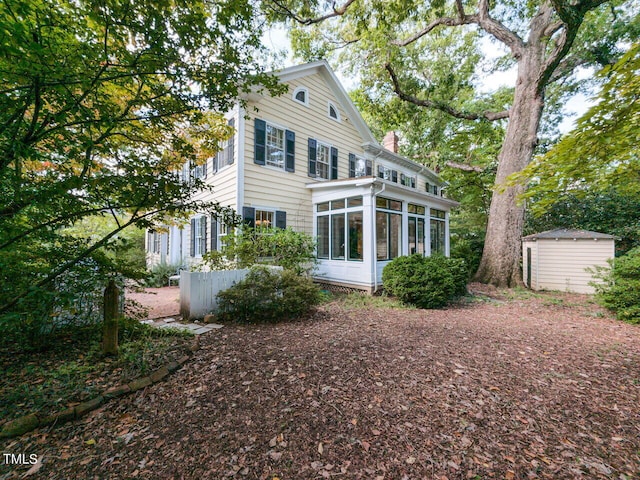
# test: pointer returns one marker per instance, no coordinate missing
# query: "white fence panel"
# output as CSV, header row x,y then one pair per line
x,y
198,290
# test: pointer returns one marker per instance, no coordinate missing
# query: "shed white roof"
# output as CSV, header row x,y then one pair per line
x,y
568,233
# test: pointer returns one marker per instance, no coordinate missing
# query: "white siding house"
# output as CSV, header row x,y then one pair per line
x,y
307,160
558,259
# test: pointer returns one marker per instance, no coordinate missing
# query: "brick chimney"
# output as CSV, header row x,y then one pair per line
x,y
390,142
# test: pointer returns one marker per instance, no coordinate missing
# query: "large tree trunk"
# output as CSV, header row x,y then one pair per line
x,y
500,264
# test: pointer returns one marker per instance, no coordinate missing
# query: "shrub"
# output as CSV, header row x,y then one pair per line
x,y
159,275
268,295
620,291
286,248
426,282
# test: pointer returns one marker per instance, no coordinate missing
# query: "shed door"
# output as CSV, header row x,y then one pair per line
x,y
529,267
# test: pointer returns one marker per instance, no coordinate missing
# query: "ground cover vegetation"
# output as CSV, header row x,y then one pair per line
x,y
513,384
74,370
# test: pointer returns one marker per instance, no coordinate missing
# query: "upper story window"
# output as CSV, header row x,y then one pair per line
x,y
387,173
225,156
333,112
408,181
274,145
359,166
323,160
301,95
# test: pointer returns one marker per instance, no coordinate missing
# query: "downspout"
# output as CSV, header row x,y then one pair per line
x,y
374,240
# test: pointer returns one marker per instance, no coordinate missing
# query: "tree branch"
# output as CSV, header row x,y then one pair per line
x,y
498,30
464,167
491,116
337,12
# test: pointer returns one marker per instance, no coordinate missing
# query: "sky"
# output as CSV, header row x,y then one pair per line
x,y
276,40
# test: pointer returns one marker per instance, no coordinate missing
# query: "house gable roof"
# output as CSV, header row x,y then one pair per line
x,y
369,142
569,233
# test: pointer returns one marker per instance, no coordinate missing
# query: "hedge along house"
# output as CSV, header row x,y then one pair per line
x,y
307,160
558,259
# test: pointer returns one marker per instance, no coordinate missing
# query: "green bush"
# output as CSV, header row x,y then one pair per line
x,y
159,275
426,282
268,295
620,291
286,248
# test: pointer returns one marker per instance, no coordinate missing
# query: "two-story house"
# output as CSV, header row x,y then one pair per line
x,y
307,160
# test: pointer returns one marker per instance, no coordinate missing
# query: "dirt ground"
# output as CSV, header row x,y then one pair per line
x,y
160,302
506,387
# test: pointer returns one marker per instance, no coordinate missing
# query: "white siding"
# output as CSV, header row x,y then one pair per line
x,y
561,263
271,187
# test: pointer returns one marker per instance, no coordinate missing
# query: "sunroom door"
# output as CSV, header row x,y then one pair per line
x,y
416,235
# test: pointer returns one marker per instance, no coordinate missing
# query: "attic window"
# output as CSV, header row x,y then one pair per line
x,y
333,112
301,95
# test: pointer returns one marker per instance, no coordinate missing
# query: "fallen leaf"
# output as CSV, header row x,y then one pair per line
x,y
320,448
34,468
375,432
411,460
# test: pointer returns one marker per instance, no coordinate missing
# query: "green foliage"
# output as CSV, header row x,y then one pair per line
x,y
286,248
47,383
601,152
426,282
159,275
269,295
102,103
620,291
606,212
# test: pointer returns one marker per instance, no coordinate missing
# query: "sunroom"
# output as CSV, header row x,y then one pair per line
x,y
361,224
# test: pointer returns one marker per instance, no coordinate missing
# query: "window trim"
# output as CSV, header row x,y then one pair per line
x,y
330,213
306,96
328,146
331,105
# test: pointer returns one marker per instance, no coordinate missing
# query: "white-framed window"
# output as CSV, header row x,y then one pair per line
x,y
438,230
154,242
275,146
339,229
199,236
225,156
264,219
388,228
301,95
333,112
408,181
387,173
323,161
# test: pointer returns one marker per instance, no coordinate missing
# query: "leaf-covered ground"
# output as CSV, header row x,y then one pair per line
x,y
538,387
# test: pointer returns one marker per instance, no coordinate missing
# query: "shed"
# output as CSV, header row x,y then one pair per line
x,y
558,259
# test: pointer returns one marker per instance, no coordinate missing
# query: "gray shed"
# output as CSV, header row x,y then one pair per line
x,y
558,259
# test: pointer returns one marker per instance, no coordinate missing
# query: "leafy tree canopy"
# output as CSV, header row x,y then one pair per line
x,y
601,153
101,105
436,55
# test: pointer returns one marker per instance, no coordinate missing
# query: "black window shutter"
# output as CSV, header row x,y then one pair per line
x,y
214,233
380,171
249,216
313,148
352,165
231,152
203,225
193,237
260,140
394,176
369,167
334,163
204,169
281,219
402,178
290,148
